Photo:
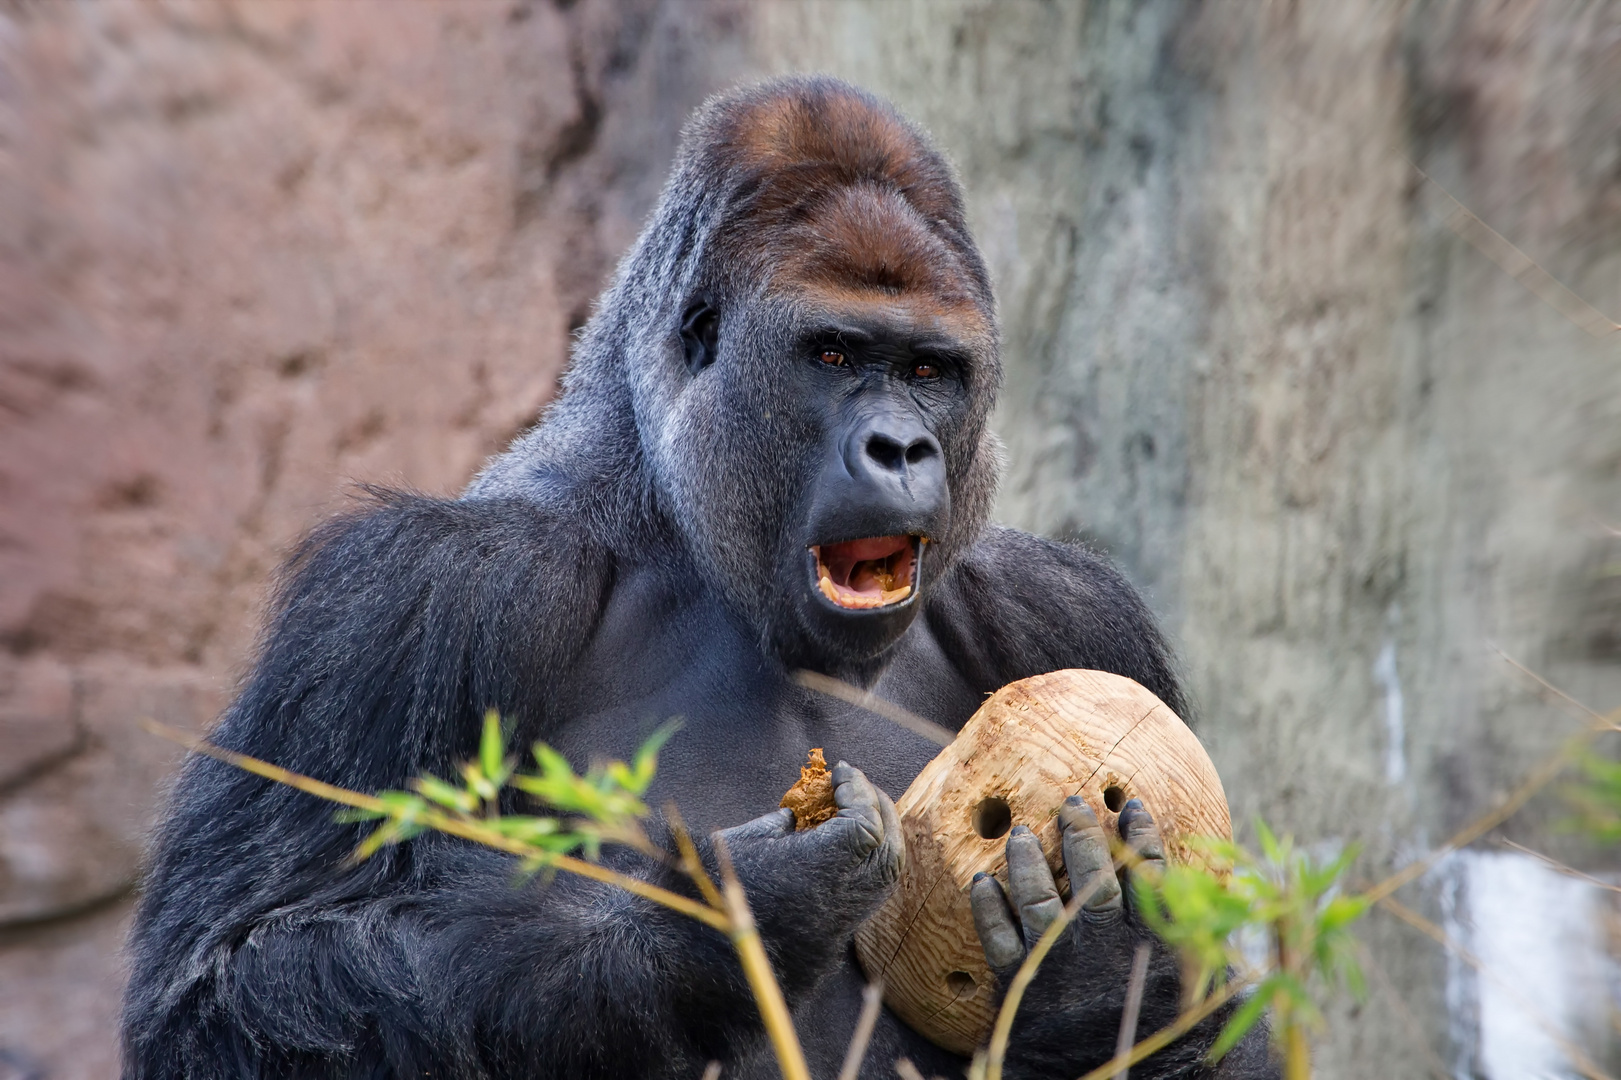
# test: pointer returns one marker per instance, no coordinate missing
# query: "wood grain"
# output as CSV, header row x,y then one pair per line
x,y
1032,744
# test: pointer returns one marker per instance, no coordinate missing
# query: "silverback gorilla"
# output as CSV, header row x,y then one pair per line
x,y
771,453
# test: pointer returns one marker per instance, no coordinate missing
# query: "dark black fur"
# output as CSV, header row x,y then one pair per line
x,y
622,564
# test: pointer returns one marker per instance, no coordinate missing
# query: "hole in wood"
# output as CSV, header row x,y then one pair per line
x,y
961,984
1114,798
992,818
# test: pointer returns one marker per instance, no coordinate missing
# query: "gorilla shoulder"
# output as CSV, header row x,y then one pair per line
x,y
417,607
1017,605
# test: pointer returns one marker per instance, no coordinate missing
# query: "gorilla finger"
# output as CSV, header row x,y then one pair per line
x,y
1140,833
855,795
998,934
1086,857
894,839
1030,883
777,824
857,828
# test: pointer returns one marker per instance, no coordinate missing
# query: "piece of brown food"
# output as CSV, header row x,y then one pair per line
x,y
811,799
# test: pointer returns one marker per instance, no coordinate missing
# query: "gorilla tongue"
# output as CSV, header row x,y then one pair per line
x,y
869,573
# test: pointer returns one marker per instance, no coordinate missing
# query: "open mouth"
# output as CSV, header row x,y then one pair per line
x,y
871,573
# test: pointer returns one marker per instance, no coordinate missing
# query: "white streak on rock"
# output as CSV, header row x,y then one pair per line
x,y
1384,673
1546,977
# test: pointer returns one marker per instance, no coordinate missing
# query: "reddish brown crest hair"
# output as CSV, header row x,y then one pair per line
x,y
831,189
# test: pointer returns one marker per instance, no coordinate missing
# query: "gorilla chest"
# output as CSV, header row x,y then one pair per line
x,y
746,727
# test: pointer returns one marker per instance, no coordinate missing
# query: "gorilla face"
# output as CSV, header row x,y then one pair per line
x,y
817,413
832,445
885,389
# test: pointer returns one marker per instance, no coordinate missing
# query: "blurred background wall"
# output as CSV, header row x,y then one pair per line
x,y
253,253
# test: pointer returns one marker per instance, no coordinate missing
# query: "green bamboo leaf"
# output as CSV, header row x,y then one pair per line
x,y
529,830
479,785
645,763
551,762
1270,847
403,805
452,798
1340,912
386,833
1240,1022
491,749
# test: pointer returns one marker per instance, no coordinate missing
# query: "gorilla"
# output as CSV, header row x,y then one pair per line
x,y
770,453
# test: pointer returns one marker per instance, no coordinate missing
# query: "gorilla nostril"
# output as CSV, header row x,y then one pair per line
x,y
918,451
886,452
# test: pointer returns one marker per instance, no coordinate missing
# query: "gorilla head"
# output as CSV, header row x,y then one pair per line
x,y
802,357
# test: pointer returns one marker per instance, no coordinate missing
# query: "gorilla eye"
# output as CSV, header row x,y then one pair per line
x,y
926,371
833,358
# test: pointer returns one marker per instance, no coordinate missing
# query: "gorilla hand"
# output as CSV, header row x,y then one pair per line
x,y
1006,935
809,890
1070,1015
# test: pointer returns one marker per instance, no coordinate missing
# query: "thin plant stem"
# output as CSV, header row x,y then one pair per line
x,y
870,701
1403,1013
466,829
690,861
1518,265
779,1024
1296,1049
1173,1031
1488,821
1022,978
1134,1004
906,1070
712,1071
872,1002
1561,868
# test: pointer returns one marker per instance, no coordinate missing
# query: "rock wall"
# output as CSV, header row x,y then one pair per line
x,y
254,253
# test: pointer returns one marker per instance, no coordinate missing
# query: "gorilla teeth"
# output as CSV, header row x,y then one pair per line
x,y
870,573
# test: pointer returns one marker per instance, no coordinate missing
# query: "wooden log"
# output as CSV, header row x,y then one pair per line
x,y
1031,745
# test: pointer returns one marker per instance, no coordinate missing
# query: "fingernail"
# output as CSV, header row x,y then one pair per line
x,y
1132,804
1074,800
1021,830
980,877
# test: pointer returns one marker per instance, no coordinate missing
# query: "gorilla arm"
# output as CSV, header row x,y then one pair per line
x,y
258,948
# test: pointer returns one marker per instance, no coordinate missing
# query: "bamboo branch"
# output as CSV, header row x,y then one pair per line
x,y
1563,868
1488,821
1128,1016
872,1001
690,862
1173,1031
465,828
870,701
779,1024
1024,976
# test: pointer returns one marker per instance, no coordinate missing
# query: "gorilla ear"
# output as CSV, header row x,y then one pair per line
x,y
700,334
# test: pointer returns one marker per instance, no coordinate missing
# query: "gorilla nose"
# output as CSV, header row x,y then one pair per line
x,y
896,454
897,464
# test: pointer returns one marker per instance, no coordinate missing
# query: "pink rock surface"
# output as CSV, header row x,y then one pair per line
x,y
253,255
